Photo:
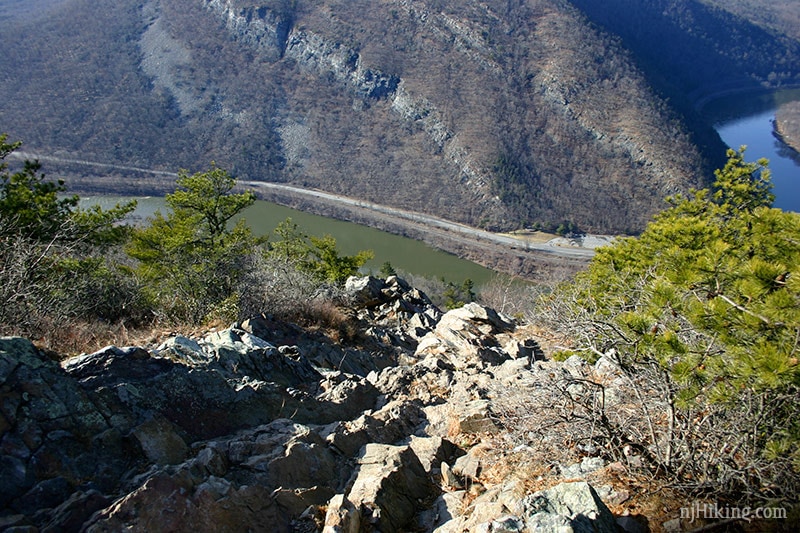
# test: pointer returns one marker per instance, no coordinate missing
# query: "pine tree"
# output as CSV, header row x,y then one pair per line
x,y
191,258
706,301
316,256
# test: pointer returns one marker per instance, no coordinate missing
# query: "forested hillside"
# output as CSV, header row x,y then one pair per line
x,y
496,114
779,15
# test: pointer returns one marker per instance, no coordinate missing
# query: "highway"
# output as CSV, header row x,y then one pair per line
x,y
430,223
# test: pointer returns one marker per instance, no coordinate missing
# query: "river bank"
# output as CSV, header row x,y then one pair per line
x,y
513,255
787,125
744,91
551,261
759,122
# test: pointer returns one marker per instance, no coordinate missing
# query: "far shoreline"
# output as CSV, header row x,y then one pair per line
x,y
786,126
701,101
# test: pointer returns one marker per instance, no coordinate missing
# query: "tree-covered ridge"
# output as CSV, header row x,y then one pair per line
x,y
779,15
695,48
702,312
500,115
493,114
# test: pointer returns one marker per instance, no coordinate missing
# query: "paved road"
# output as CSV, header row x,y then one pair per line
x,y
429,221
399,216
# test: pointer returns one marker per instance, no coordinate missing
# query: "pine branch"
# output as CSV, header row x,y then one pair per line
x,y
743,309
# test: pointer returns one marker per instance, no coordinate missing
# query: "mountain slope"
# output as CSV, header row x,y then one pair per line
x,y
782,16
488,113
698,48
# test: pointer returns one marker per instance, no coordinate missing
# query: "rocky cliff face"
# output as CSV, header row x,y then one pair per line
x,y
276,37
565,84
264,425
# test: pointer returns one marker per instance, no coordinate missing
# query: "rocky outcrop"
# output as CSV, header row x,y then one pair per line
x,y
235,430
55,437
271,33
259,27
389,487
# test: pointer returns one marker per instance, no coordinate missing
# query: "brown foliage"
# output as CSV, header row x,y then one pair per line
x,y
583,138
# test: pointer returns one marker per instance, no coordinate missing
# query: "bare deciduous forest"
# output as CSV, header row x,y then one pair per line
x,y
499,115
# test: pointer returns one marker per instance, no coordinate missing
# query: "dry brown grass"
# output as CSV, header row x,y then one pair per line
x,y
334,321
76,337
531,236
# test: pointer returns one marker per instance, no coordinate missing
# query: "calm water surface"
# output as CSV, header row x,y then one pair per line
x,y
404,254
748,120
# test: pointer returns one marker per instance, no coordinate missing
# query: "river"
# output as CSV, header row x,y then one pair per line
x,y
748,120
405,255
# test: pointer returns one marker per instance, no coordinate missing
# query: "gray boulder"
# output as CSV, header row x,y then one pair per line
x,y
390,487
52,433
390,424
170,503
468,337
568,507
365,291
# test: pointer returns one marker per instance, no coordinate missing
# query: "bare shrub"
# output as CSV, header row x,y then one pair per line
x,y
632,410
275,285
47,287
510,295
434,288
562,412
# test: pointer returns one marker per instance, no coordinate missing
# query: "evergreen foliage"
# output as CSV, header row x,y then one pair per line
x,y
191,259
37,209
456,296
706,304
387,269
54,256
317,256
